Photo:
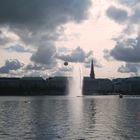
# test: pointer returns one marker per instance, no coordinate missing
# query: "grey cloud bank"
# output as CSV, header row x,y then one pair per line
x,y
117,14
37,12
132,68
80,56
77,55
19,48
127,48
45,54
39,23
11,65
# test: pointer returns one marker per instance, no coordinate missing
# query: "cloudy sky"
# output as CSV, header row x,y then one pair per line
x,y
37,36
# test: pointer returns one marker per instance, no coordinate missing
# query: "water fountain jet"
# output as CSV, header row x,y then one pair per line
x,y
76,81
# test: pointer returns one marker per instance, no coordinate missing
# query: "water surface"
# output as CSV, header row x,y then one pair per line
x,y
70,118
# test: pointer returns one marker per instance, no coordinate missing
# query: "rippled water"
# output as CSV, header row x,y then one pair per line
x,y
66,118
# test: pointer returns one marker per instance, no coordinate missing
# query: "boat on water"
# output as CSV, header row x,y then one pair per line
x,y
120,96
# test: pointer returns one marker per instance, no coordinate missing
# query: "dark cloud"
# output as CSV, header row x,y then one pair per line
x,y
63,50
133,68
38,36
134,19
49,12
120,15
79,55
45,54
117,14
10,65
37,22
31,69
76,55
127,47
127,50
19,48
33,66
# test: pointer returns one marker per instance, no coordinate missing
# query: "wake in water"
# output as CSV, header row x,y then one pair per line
x,y
76,82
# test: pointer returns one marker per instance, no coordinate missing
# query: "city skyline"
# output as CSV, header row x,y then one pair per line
x,y
36,38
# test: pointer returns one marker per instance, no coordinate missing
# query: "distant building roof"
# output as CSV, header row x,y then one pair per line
x,y
57,78
99,79
134,79
32,78
7,78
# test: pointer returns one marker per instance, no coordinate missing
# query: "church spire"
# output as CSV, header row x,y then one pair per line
x,y
92,74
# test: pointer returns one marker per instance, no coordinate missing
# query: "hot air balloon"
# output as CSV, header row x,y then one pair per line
x,y
66,63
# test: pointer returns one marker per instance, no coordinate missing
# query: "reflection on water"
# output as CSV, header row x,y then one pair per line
x,y
52,118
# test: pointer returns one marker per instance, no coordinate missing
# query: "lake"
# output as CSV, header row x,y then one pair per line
x,y
70,118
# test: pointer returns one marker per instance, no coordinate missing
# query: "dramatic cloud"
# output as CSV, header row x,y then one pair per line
x,y
120,15
45,54
35,67
38,22
117,14
127,50
11,65
76,55
49,12
19,48
134,19
34,21
127,46
133,68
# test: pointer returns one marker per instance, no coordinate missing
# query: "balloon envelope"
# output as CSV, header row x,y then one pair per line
x,y
66,63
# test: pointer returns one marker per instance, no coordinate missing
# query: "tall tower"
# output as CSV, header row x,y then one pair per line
x,y
92,74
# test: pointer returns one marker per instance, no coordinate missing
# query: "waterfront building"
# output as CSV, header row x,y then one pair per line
x,y
59,85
